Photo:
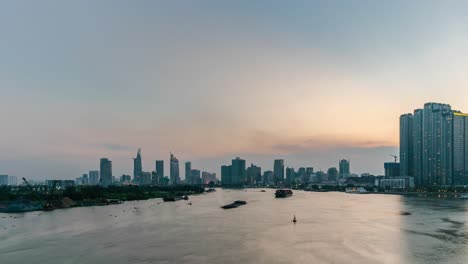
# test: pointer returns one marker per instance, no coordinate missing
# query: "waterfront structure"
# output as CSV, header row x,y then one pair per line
x,y
174,170
160,170
106,172
344,171
278,171
188,173
4,180
406,145
137,168
392,169
226,175
93,177
399,182
238,172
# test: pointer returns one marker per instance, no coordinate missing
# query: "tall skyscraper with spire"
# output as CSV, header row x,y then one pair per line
x,y
174,170
137,168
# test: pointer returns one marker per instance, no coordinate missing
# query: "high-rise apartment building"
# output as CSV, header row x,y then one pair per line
x,y
344,168
174,170
406,145
238,172
188,173
278,171
106,172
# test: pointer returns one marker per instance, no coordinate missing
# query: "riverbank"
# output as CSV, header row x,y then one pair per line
x,y
27,199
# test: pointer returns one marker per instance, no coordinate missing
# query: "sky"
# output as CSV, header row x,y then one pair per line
x,y
307,81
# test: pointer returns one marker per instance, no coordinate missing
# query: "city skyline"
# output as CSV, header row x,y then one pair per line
x,y
323,81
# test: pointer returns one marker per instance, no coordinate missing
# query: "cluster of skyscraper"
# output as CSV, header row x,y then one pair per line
x,y
104,176
434,146
237,175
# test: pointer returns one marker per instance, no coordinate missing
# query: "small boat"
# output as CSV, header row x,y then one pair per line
x,y
294,219
262,191
283,193
185,197
210,190
463,196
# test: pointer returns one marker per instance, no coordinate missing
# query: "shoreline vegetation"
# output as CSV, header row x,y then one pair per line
x,y
37,198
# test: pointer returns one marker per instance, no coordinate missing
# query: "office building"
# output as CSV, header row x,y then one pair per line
x,y
238,172
268,178
106,172
93,177
85,179
137,168
278,171
174,170
195,178
226,175
344,171
188,173
4,180
125,179
290,175
332,174
208,177
253,175
160,170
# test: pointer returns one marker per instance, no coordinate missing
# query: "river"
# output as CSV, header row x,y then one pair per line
x,y
332,228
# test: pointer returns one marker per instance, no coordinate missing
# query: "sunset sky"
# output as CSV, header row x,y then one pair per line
x,y
307,81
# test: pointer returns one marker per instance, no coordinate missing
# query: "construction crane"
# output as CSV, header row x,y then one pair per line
x,y
27,184
395,157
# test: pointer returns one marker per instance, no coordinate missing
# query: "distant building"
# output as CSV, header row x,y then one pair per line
x,y
400,182
344,168
238,172
278,171
406,145
137,168
94,177
196,177
208,177
60,184
85,179
268,178
253,175
106,172
188,173
160,170
174,170
125,179
392,169
146,178
332,174
226,175
4,179
290,175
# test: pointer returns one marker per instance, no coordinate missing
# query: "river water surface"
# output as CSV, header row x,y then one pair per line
x,y
332,228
